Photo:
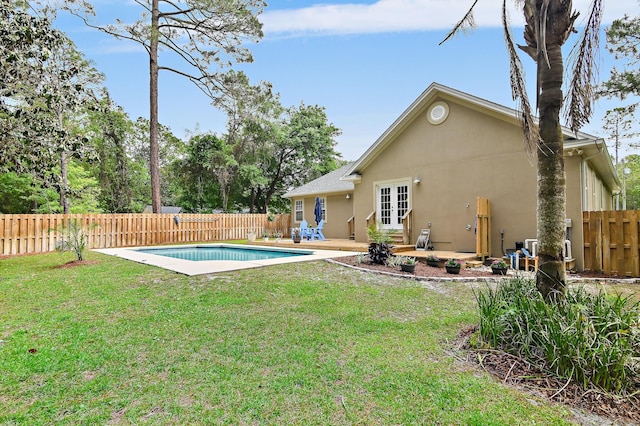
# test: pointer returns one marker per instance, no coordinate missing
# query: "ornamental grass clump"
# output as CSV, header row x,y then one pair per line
x,y
592,339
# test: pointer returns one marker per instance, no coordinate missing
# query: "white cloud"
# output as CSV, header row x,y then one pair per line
x,y
405,15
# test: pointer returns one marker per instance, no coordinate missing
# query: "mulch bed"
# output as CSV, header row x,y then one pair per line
x,y
518,372
421,270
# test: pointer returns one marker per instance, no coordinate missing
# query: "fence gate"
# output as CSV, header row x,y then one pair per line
x,y
611,242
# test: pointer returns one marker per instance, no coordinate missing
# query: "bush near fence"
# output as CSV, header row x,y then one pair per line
x,y
35,233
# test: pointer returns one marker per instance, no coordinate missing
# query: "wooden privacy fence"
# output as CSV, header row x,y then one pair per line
x,y
611,242
35,233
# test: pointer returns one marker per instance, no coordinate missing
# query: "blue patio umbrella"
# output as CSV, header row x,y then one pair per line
x,y
317,211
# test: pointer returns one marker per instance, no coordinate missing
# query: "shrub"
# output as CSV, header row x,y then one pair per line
x,y
591,338
73,237
379,248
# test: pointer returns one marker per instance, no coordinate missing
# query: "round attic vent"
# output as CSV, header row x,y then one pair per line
x,y
438,112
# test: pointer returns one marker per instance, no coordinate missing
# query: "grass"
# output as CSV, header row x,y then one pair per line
x,y
307,343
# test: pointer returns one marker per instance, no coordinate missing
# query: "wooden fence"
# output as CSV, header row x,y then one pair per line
x,y
20,234
611,242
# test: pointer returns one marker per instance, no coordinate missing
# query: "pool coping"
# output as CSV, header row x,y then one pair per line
x,y
190,267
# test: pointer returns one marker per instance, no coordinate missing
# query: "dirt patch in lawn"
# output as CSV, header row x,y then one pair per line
x,y
74,263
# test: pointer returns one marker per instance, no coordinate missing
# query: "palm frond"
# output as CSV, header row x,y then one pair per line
x,y
519,91
582,90
467,22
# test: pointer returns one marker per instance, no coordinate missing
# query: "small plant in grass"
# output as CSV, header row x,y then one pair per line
x,y
73,237
360,258
592,339
380,248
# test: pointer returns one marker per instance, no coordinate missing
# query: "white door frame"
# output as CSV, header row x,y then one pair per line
x,y
392,201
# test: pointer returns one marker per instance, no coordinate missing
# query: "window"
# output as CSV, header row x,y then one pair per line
x,y
299,211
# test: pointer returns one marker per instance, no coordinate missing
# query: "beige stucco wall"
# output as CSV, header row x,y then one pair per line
x,y
475,152
467,156
338,210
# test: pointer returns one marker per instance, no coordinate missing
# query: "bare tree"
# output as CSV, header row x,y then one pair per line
x,y
548,25
207,35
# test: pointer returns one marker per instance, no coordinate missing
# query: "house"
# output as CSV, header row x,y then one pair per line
x,y
428,169
164,209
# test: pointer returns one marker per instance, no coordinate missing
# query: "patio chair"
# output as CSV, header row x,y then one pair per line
x,y
305,232
317,232
528,257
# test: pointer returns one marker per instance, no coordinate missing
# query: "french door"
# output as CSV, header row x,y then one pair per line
x,y
392,204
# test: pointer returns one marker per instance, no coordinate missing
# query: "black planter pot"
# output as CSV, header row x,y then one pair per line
x,y
499,271
433,263
408,268
452,269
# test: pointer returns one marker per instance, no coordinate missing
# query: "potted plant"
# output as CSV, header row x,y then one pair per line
x,y
296,236
453,266
499,267
265,235
251,235
408,264
432,260
278,235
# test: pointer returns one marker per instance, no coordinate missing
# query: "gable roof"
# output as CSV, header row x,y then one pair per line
x,y
439,91
326,184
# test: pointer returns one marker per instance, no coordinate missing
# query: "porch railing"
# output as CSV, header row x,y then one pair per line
x,y
407,226
351,227
371,219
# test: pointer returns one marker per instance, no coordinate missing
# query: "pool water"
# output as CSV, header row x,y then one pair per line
x,y
202,253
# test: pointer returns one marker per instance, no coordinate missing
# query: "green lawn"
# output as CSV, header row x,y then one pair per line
x,y
307,343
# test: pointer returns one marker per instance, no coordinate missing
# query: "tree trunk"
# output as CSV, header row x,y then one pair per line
x,y
154,158
64,183
551,276
64,178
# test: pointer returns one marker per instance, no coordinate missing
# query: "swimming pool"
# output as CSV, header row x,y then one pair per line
x,y
179,261
223,252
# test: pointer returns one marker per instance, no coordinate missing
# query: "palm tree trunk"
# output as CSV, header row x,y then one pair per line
x,y
551,276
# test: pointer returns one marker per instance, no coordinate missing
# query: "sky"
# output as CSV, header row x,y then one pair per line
x,y
364,61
